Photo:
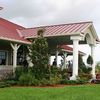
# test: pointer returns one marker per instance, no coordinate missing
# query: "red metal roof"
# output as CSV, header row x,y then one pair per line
x,y
8,31
69,49
57,30
13,32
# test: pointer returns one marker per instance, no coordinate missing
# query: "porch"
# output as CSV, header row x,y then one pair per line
x,y
7,54
13,39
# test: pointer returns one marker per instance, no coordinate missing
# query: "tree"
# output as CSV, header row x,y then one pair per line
x,y
89,60
39,55
80,61
81,64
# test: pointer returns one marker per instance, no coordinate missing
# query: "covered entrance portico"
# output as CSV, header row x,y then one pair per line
x,y
75,41
69,34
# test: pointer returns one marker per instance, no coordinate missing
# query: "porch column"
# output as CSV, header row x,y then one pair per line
x,y
56,57
65,55
75,57
50,60
93,57
15,48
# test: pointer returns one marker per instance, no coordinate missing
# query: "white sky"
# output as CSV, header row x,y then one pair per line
x,y
30,13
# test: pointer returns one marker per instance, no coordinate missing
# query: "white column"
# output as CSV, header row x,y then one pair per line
x,y
15,48
56,56
50,60
75,57
14,58
7,58
65,55
93,57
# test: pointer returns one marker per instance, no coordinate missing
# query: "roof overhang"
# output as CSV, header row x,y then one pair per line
x,y
14,40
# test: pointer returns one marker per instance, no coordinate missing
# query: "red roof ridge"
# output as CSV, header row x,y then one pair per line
x,y
58,25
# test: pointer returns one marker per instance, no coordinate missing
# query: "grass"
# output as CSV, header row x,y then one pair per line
x,y
82,92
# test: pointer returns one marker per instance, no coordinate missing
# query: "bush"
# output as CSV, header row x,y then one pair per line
x,y
36,82
85,76
98,68
72,82
86,70
65,74
80,81
4,84
45,82
90,60
64,81
18,72
26,79
11,82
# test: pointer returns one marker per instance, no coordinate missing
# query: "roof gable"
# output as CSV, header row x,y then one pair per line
x,y
8,31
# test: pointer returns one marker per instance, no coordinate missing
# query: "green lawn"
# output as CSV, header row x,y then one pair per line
x,y
83,92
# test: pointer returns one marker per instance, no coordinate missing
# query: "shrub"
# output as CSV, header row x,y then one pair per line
x,y
18,72
80,81
54,80
26,79
64,81
64,74
11,82
45,82
4,84
89,60
73,82
98,68
85,76
36,82
86,69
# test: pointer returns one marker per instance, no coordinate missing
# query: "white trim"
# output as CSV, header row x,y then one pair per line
x,y
86,28
14,40
20,34
55,35
76,38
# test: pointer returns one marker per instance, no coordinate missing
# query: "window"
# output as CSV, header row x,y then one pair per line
x,y
2,58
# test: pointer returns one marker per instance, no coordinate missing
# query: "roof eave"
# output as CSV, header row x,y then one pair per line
x,y
13,40
63,34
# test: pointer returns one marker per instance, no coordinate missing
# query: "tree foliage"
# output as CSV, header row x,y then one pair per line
x,y
39,55
80,61
89,60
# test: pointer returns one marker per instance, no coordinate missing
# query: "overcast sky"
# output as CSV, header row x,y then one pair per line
x,y
30,13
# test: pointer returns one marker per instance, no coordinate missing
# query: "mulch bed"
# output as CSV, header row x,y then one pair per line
x,y
53,86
